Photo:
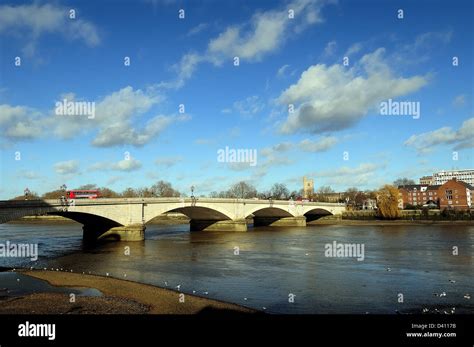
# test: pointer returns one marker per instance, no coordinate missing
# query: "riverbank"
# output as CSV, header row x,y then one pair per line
x,y
376,222
119,297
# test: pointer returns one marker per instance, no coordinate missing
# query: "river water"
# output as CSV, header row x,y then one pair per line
x,y
280,270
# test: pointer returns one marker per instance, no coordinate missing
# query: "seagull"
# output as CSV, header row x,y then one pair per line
x,y
166,283
245,299
452,281
453,309
107,274
467,296
389,269
194,292
178,286
206,293
442,294
425,310
18,280
307,254
124,275
264,308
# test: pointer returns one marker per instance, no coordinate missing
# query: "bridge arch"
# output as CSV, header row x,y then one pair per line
x,y
193,213
312,214
267,211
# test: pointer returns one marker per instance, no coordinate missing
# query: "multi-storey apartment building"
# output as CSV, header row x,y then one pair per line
x,y
442,177
451,194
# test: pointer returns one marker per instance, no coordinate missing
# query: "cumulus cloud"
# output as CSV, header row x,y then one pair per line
x,y
252,40
130,164
67,167
20,122
459,139
321,145
30,22
332,98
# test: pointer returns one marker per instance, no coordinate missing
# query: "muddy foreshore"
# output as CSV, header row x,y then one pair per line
x,y
118,297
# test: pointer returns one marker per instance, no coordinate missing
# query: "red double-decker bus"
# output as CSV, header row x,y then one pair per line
x,y
83,194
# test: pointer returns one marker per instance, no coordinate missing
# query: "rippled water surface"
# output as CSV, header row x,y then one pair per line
x,y
272,263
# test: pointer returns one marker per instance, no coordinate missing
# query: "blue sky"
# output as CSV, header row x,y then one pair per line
x,y
139,136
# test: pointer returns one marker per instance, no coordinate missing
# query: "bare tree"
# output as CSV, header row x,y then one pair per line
x,y
242,190
279,191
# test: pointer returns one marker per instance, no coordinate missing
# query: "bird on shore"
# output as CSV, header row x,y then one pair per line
x,y
178,286
425,310
206,293
166,284
194,292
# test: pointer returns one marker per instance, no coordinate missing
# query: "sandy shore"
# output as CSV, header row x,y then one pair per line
x,y
119,297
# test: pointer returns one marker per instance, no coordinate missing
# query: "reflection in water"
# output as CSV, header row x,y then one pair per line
x,y
273,263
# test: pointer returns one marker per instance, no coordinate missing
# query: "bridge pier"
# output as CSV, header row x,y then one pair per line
x,y
213,225
279,222
133,232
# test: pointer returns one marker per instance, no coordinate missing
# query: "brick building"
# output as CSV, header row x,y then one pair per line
x,y
452,194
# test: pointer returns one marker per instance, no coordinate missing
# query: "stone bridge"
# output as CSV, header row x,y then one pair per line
x,y
125,219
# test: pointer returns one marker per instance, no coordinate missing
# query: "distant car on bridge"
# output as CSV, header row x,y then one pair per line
x,y
83,194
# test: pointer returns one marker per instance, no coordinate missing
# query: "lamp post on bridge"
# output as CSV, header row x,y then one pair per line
x,y
63,197
26,192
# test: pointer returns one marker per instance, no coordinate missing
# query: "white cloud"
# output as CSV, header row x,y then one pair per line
x,y
353,49
247,108
362,175
459,100
323,144
331,98
20,122
30,22
330,49
67,167
130,164
282,71
460,139
197,29
115,118
263,34
168,161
